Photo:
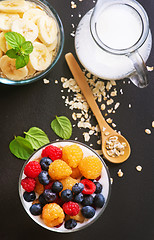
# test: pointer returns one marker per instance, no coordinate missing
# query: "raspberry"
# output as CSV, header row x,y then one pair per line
x,y
39,188
59,170
72,155
28,184
68,183
32,169
71,208
52,152
76,173
49,185
52,214
90,167
89,186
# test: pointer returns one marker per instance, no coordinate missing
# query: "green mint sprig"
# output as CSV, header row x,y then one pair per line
x,y
62,127
20,48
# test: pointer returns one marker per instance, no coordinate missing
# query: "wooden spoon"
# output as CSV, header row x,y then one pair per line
x,y
106,130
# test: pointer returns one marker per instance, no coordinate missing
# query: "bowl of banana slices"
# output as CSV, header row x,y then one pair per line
x,y
31,40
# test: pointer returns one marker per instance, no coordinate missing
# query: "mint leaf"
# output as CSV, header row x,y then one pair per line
x,y
14,39
62,127
36,137
21,148
12,53
26,48
22,61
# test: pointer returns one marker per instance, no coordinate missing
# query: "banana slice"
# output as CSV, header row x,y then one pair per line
x,y
47,29
26,28
6,20
40,58
12,6
31,70
53,46
3,45
8,68
33,15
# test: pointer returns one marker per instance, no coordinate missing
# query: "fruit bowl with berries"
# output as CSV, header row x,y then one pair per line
x,y
31,40
64,186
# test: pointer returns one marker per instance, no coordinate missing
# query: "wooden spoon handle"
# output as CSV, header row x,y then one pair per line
x,y
85,89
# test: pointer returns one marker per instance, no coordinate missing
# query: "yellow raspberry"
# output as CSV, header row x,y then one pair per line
x,y
76,173
59,170
90,167
79,217
68,183
72,155
39,188
52,214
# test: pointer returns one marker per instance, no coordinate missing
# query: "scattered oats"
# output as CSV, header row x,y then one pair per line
x,y
113,111
88,75
109,120
113,83
73,4
80,0
74,116
120,173
69,90
124,82
91,144
56,81
72,34
121,91
91,132
139,168
76,138
99,152
148,131
114,125
129,105
103,107
79,15
97,128
106,133
73,25
99,142
108,86
86,136
119,132
57,139
86,115
116,105
73,125
71,15
62,90
46,81
150,69
128,82
63,97
63,79
110,101
111,180
109,111
113,93
103,129
153,124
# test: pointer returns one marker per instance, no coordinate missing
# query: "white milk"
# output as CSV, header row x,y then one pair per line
x,y
118,27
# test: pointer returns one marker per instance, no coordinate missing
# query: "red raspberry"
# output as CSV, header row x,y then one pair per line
x,y
28,184
48,186
89,186
32,169
71,208
52,152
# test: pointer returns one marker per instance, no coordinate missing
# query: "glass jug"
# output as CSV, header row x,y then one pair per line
x,y
113,41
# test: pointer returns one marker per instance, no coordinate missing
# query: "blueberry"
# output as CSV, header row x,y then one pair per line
x,y
77,188
98,187
57,187
66,195
44,178
87,200
45,162
36,209
99,200
78,198
49,195
88,211
71,223
42,200
29,196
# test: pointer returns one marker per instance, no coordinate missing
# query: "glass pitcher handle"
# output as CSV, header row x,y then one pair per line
x,y
139,77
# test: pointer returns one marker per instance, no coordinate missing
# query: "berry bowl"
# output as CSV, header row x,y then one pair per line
x,y
64,186
40,25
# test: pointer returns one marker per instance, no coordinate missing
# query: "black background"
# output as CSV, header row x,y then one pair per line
x,y
129,214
